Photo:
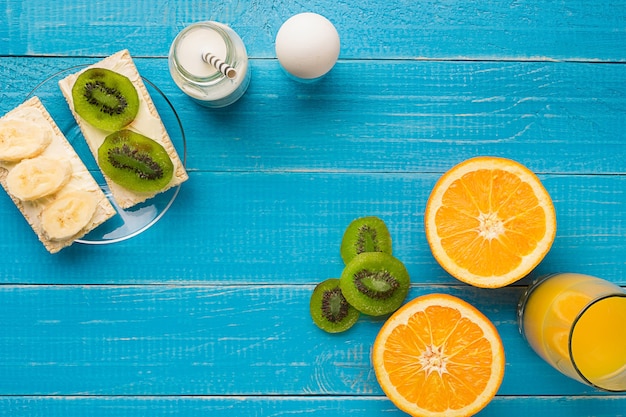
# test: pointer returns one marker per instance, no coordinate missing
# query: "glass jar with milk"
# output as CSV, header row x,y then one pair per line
x,y
208,61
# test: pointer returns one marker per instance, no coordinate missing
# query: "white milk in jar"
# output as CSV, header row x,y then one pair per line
x,y
208,61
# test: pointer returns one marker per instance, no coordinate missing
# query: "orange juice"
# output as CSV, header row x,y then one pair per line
x,y
599,339
577,323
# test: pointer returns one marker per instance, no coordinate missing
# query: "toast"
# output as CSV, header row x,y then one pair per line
x,y
147,122
36,210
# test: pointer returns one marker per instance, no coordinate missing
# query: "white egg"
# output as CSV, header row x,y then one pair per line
x,y
307,46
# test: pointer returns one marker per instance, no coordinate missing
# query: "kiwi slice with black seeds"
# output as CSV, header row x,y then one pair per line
x,y
365,234
375,283
329,309
105,99
135,161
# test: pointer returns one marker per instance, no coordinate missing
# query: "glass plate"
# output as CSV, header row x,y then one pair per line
x,y
127,222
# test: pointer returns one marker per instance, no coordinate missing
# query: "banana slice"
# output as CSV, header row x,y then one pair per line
x,y
21,139
68,214
38,177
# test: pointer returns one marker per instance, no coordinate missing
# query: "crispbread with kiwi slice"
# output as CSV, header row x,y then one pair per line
x,y
147,122
34,111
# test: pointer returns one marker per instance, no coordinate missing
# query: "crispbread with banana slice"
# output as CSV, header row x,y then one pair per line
x,y
46,179
147,122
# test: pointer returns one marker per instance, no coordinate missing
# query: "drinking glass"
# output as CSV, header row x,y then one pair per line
x,y
577,323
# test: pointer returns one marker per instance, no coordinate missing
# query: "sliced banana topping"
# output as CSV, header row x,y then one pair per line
x,y
38,177
21,139
68,214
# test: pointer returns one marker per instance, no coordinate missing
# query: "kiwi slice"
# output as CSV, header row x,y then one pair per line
x,y
365,234
375,283
329,309
105,99
135,161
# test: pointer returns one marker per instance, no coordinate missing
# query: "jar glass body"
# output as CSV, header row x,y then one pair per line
x,y
201,81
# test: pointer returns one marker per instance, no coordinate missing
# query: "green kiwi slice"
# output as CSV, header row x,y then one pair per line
x,y
329,309
105,99
135,161
375,283
365,234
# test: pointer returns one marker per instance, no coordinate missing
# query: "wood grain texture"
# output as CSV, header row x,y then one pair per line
x,y
217,340
427,29
253,228
395,117
268,406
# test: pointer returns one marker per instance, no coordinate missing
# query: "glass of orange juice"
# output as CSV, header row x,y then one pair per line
x,y
577,323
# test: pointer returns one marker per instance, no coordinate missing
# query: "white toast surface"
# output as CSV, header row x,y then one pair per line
x,y
33,111
148,122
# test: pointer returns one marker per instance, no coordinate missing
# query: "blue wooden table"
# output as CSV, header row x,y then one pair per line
x,y
206,312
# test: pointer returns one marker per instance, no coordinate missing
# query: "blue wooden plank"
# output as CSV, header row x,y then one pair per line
x,y
396,117
262,228
540,29
265,406
217,340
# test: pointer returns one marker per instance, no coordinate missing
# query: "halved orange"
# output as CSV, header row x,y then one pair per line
x,y
489,221
439,356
